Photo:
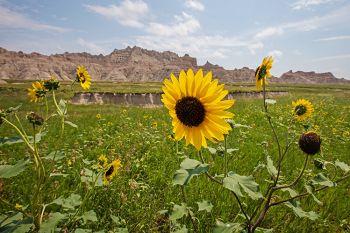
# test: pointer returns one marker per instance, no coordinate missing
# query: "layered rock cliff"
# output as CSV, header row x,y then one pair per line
x,y
131,65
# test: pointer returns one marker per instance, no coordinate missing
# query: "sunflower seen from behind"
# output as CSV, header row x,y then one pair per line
x,y
195,103
83,77
263,72
302,109
37,92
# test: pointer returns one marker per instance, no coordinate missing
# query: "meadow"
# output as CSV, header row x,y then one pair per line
x,y
142,197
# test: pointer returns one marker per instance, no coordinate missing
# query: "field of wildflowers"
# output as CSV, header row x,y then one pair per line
x,y
199,164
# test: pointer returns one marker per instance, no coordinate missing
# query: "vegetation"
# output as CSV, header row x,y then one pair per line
x,y
142,196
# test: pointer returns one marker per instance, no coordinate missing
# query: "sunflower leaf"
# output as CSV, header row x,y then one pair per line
x,y
342,165
205,205
68,203
301,213
227,227
50,224
270,167
310,190
8,171
62,108
188,169
270,101
10,140
89,216
178,212
235,182
321,179
71,124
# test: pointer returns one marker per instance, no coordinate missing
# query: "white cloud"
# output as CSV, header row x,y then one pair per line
x,y
301,4
13,19
297,52
336,57
91,47
128,13
184,24
269,31
194,5
346,37
275,53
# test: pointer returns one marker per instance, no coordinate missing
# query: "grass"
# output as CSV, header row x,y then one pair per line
x,y
140,138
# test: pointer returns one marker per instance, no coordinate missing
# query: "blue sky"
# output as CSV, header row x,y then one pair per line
x,y
308,35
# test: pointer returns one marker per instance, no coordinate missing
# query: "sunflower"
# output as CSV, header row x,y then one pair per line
x,y
102,161
83,77
111,171
302,109
197,108
263,72
37,92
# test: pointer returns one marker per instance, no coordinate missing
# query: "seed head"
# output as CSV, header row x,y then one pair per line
x,y
310,143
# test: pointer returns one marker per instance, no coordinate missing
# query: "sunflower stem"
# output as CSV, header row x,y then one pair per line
x,y
189,212
225,154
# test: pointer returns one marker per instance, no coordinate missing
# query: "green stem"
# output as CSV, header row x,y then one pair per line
x,y
25,139
59,112
225,154
189,213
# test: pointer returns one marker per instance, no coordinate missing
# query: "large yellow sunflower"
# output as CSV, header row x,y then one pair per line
x,y
83,77
263,72
37,92
111,171
302,109
197,107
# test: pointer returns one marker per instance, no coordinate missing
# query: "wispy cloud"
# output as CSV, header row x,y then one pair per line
x,y
345,37
337,16
13,19
184,24
301,4
128,13
194,5
91,47
336,57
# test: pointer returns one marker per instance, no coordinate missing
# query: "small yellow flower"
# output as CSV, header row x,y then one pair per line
x,y
154,124
263,72
109,123
18,206
302,109
111,171
102,161
98,116
69,163
83,77
37,93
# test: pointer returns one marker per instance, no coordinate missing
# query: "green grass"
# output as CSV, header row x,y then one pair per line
x,y
144,185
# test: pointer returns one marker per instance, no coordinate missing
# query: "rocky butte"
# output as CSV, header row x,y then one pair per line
x,y
132,65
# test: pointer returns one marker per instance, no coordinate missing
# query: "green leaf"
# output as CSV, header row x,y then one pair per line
x,y
38,137
89,216
50,224
62,107
188,169
183,229
8,171
16,224
321,179
221,227
68,203
178,212
270,167
310,190
301,213
162,212
235,182
342,165
264,230
55,155
81,230
319,164
212,150
270,101
10,140
58,174
205,205
292,192
71,124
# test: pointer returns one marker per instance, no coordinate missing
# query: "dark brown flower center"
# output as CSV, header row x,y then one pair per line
x,y
310,143
190,111
300,110
110,171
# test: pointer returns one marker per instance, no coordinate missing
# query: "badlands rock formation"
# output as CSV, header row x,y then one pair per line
x,y
130,65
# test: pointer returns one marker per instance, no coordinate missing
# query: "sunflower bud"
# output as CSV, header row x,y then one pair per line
x,y
51,84
310,143
35,119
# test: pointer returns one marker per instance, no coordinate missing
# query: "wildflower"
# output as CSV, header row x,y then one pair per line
x,y
102,161
302,109
18,206
51,84
34,118
111,171
98,116
263,72
83,77
109,123
154,124
196,107
37,92
310,143
69,163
